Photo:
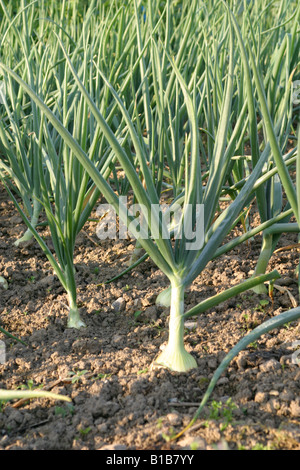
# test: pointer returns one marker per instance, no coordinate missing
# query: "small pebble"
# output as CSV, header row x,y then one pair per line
x,y
119,305
260,397
174,419
269,366
295,408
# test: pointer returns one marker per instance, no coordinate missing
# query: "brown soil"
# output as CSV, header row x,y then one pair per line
x,y
118,401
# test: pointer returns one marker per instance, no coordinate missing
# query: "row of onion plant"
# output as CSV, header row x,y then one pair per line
x,y
152,124
37,165
179,261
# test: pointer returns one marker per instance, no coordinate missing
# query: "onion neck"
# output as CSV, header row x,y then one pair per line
x,y
74,320
174,356
263,261
28,235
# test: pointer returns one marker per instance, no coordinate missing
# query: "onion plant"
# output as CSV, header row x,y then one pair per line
x,y
176,257
17,126
279,91
64,189
293,194
131,134
182,270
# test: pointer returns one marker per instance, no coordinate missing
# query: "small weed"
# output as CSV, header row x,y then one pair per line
x,y
259,446
143,371
77,375
203,381
85,431
245,317
214,410
102,376
220,411
262,304
194,445
29,386
159,423
64,411
169,435
137,314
